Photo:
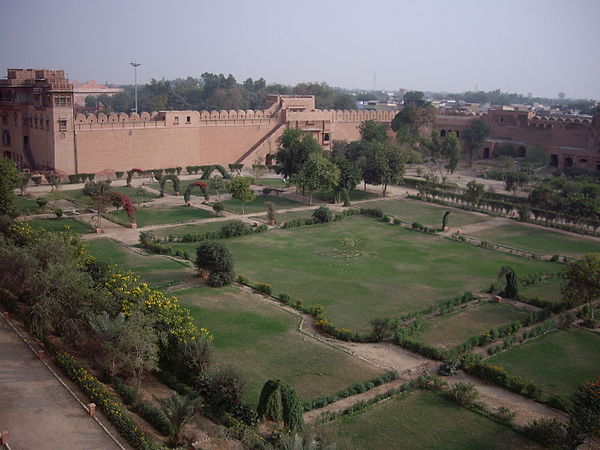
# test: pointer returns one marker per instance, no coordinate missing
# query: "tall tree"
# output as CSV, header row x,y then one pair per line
x,y
371,130
240,189
318,173
295,147
474,135
350,176
384,165
9,180
445,152
582,281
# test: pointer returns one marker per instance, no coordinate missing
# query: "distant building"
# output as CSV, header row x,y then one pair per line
x,y
82,90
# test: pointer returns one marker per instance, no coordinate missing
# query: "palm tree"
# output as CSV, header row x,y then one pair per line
x,y
179,409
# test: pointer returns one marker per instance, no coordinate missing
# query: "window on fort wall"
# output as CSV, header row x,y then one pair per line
x,y
176,120
188,119
56,101
62,125
5,138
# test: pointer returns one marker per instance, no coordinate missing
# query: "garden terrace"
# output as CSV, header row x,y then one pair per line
x,y
427,214
360,268
264,342
258,205
26,204
162,215
183,184
559,361
422,420
539,240
196,228
453,329
547,290
77,197
158,271
62,224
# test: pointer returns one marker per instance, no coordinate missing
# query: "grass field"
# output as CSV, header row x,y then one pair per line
x,y
548,290
539,240
355,195
360,268
286,216
561,360
423,420
163,215
425,213
452,329
270,182
258,205
26,204
263,341
191,228
60,225
158,271
137,195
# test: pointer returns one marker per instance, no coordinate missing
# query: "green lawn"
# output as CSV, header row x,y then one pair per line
x,y
423,420
539,240
163,215
191,228
158,271
270,182
561,361
137,195
26,205
75,196
389,271
61,224
452,329
548,290
286,216
355,195
263,341
258,205
425,213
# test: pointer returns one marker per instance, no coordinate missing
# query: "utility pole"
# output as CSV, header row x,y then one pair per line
x,y
135,66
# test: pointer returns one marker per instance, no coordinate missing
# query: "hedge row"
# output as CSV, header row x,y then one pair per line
x,y
514,383
106,401
153,415
353,389
509,341
229,230
81,177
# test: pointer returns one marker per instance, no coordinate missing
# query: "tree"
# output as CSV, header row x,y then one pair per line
x,y
130,343
295,147
413,117
381,328
474,135
371,130
512,289
584,411
350,176
474,192
218,208
582,281
240,189
384,165
318,173
445,152
214,260
279,403
9,180
179,409
414,97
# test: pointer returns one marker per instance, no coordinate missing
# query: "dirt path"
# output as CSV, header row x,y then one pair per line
x,y
37,410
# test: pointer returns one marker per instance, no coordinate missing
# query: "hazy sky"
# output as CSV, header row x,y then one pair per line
x,y
542,47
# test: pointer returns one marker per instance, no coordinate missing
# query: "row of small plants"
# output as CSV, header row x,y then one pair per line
x,y
502,209
106,401
229,230
353,389
81,177
153,415
535,331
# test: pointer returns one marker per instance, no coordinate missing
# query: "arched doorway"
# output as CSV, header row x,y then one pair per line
x,y
486,153
554,160
269,159
583,163
442,133
568,162
521,152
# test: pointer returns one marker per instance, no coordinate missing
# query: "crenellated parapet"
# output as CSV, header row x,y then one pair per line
x,y
358,116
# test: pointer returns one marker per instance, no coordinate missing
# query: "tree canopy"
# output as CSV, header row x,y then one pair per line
x,y
582,281
9,180
317,173
295,147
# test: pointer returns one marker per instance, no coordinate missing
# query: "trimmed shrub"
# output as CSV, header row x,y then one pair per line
x,y
322,215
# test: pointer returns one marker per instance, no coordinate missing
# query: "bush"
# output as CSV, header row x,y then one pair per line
x,y
74,178
464,394
41,201
550,433
58,212
263,288
214,260
322,215
119,174
37,179
218,208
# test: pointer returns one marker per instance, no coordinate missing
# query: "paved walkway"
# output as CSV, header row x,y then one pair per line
x,y
36,410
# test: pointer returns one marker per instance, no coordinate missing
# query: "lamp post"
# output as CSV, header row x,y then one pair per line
x,y
135,66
